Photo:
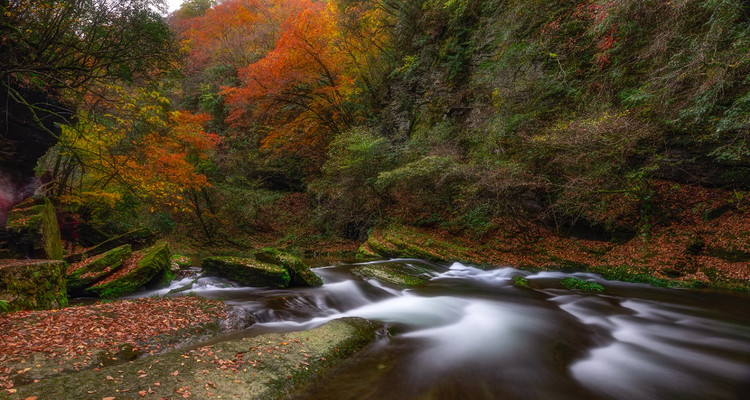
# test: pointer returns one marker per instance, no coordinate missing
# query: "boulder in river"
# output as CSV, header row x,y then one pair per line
x,y
83,274
247,271
32,284
403,275
301,275
141,268
33,231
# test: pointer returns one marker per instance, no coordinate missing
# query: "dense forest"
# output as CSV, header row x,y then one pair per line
x,y
311,123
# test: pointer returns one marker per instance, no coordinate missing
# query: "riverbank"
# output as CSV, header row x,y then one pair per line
x,y
700,239
266,366
38,345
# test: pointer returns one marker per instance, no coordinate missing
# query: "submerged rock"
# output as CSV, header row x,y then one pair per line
x,y
268,366
86,273
399,274
247,271
300,273
33,231
141,268
32,284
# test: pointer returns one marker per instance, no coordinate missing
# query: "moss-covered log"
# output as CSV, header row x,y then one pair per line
x,y
301,275
86,273
33,231
138,270
247,271
33,284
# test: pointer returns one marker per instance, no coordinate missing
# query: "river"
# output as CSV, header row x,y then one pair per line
x,y
469,333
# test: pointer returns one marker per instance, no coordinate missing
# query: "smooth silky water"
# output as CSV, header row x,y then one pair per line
x,y
471,334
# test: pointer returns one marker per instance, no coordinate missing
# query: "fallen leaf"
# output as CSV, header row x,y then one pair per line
x,y
142,393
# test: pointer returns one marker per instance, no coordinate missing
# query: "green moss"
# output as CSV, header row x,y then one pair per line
x,y
579,284
33,229
34,285
247,271
520,281
398,274
155,260
181,261
92,272
300,273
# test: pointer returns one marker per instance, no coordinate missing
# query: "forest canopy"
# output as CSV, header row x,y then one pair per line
x,y
241,114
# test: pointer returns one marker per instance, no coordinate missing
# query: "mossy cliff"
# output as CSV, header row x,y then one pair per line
x,y
271,366
247,271
33,230
139,269
33,284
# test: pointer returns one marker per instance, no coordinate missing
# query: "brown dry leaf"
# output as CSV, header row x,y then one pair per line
x,y
103,398
142,393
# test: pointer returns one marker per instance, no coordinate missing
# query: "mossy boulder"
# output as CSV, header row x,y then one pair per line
x,y
402,275
270,366
180,261
136,238
247,271
88,272
33,231
33,284
141,268
300,273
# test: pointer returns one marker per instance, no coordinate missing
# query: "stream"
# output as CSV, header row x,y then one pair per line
x,y
468,333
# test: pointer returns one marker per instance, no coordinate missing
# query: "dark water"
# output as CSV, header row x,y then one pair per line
x,y
471,334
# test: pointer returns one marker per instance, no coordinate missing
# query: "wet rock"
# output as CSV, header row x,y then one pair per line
x,y
300,273
141,268
32,230
402,275
86,273
33,284
180,261
247,271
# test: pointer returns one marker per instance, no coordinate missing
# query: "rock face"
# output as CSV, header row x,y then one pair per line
x,y
32,230
33,284
247,271
86,273
138,270
299,271
23,140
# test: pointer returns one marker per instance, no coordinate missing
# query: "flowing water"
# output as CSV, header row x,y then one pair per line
x,y
471,334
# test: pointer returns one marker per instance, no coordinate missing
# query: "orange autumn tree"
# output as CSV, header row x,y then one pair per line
x,y
222,39
297,91
133,144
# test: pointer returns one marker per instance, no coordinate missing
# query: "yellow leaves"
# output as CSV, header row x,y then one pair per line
x,y
132,143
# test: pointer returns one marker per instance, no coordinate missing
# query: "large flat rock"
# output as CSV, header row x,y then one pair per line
x,y
263,367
